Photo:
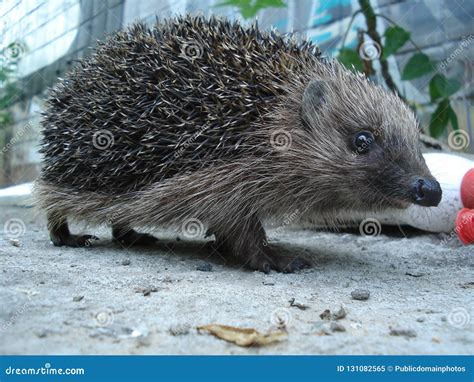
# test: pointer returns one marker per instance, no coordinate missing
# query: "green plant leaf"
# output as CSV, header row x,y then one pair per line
x,y
349,58
395,38
249,8
440,118
418,65
453,118
441,87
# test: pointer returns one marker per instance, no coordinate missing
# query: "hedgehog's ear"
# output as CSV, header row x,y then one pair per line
x,y
313,97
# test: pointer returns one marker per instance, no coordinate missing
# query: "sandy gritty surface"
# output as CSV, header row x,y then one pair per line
x,y
111,300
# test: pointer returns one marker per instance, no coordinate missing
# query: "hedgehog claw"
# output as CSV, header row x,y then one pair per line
x,y
76,241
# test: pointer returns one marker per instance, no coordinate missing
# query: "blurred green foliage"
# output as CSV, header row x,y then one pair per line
x,y
393,39
9,92
250,8
441,88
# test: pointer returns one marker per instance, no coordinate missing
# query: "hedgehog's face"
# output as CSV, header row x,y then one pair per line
x,y
372,145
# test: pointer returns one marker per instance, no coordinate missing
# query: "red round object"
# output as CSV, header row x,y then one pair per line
x,y
467,189
465,225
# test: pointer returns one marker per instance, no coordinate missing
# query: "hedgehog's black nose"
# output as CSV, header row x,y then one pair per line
x,y
426,192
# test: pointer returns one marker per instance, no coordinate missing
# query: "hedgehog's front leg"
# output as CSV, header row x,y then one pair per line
x,y
248,242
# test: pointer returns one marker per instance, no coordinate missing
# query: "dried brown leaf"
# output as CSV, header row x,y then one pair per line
x,y
244,336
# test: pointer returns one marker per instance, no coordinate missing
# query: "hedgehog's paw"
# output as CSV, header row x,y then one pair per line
x,y
75,241
261,262
266,260
133,238
290,265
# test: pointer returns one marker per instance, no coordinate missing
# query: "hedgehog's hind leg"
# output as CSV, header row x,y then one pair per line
x,y
60,235
125,235
249,243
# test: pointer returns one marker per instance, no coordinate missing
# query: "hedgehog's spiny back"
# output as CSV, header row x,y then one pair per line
x,y
168,107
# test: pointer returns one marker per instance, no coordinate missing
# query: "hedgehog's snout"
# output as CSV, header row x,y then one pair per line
x,y
426,192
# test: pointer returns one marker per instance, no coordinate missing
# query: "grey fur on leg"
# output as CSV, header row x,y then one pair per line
x,y
249,244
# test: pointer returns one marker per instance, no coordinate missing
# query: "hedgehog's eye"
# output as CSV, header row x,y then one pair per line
x,y
363,141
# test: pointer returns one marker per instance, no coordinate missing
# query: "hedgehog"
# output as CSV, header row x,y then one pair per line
x,y
218,128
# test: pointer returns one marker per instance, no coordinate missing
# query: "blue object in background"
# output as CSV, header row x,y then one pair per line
x,y
238,368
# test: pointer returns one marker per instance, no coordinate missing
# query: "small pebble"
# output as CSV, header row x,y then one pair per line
x,y
360,294
126,262
467,285
77,298
339,314
326,315
42,334
147,291
408,333
179,330
204,267
337,327
15,242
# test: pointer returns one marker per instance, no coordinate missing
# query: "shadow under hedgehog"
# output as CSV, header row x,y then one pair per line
x,y
205,119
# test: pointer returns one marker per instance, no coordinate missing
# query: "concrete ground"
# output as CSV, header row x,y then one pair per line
x,y
110,300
